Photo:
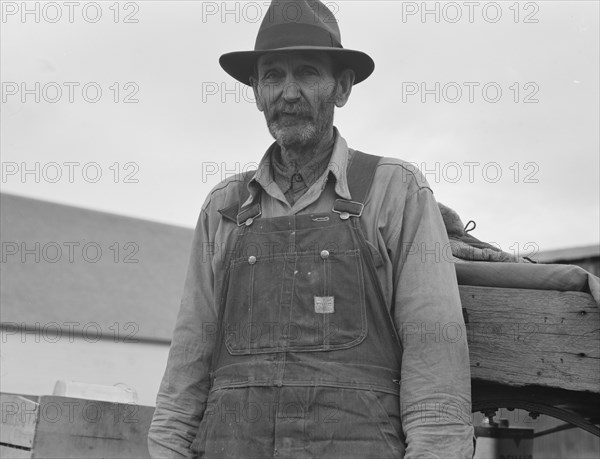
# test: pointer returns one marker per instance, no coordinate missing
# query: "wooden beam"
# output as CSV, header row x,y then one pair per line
x,y
520,337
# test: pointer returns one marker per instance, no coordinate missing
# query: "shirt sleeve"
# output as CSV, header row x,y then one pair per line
x,y
435,392
183,392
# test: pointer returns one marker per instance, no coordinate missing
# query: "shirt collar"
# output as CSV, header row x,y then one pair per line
x,y
338,166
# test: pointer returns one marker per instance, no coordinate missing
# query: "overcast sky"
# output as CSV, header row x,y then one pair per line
x,y
511,141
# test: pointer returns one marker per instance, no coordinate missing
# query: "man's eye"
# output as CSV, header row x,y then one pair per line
x,y
270,75
309,71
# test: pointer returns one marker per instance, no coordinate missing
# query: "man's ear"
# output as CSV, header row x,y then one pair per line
x,y
344,87
254,83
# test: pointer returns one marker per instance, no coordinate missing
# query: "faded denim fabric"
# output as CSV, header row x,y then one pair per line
x,y
408,241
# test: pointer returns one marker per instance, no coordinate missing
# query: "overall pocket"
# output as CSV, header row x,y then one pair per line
x,y
251,317
328,310
303,301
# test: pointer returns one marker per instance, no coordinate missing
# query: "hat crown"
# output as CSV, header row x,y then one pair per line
x,y
296,26
289,23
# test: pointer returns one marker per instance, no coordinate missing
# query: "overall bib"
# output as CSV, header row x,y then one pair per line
x,y
307,359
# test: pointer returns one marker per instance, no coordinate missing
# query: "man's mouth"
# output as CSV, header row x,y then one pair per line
x,y
295,115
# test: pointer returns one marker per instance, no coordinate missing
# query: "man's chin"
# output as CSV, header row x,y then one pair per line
x,y
293,136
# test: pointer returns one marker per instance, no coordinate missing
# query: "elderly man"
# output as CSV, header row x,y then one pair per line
x,y
313,317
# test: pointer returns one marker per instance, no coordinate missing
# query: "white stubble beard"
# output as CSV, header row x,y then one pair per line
x,y
305,133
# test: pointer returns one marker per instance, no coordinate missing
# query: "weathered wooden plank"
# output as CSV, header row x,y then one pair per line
x,y
75,428
520,337
19,417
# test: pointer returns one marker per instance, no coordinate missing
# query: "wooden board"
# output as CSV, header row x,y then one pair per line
x,y
19,418
66,427
74,428
521,337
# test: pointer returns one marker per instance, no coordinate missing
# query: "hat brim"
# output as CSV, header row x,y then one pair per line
x,y
240,64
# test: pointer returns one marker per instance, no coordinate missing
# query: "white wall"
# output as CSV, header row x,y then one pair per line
x,y
31,363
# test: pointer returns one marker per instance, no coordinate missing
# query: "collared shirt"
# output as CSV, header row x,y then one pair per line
x,y
292,183
337,166
405,231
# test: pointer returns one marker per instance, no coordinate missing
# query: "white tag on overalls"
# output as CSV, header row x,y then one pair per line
x,y
324,304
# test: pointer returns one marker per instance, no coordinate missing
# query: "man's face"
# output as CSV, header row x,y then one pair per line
x,y
297,93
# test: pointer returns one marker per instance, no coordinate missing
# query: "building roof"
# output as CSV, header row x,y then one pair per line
x,y
89,271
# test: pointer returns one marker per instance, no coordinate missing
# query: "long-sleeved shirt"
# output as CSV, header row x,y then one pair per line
x,y
402,222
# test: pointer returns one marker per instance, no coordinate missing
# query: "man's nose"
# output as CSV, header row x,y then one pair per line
x,y
291,90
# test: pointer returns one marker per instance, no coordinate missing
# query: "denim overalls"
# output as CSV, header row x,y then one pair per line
x,y
307,360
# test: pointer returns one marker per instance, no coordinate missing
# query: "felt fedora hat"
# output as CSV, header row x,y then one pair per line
x,y
297,25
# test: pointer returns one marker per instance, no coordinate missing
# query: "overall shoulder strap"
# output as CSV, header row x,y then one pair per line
x,y
361,172
234,212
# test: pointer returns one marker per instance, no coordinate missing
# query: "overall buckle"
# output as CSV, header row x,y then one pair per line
x,y
247,216
348,209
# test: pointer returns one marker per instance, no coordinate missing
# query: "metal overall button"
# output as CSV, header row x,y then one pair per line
x,y
344,215
251,259
249,221
324,254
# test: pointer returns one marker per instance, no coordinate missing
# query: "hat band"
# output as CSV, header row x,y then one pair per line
x,y
294,34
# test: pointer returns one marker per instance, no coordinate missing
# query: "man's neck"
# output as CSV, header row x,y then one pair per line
x,y
295,157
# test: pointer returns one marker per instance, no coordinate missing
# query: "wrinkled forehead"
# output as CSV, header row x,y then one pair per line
x,y
295,58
